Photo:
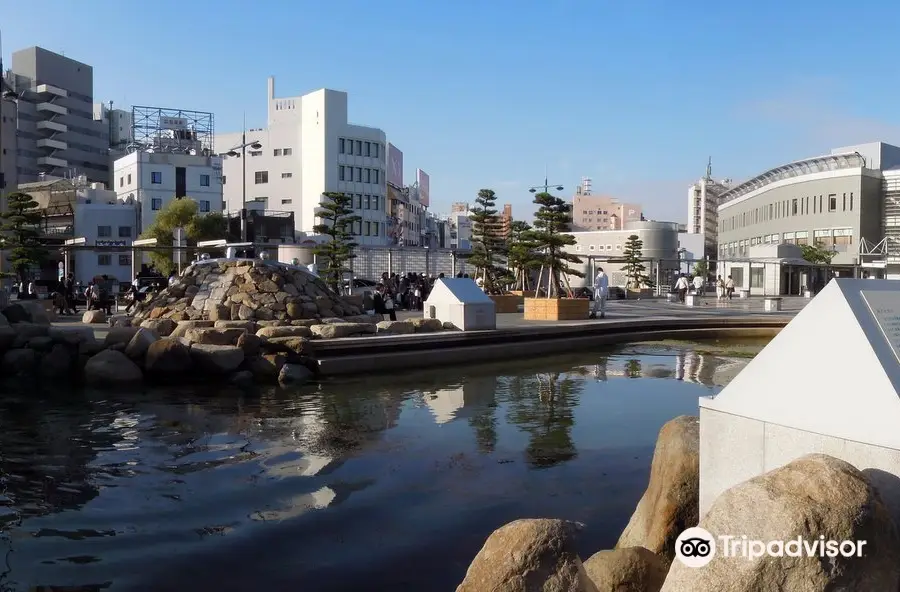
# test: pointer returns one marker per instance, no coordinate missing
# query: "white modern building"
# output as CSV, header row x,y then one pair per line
x,y
308,147
154,179
104,220
703,208
460,230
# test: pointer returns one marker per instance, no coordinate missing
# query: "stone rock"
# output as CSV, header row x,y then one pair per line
x,y
18,362
338,330
630,569
119,320
245,313
90,347
395,327
41,343
448,326
529,556
183,326
214,336
242,378
672,499
71,334
140,343
16,313
266,368
91,317
250,344
427,325
121,335
7,338
217,359
249,326
162,327
289,331
220,312
297,345
167,358
58,362
814,496
111,368
294,375
35,312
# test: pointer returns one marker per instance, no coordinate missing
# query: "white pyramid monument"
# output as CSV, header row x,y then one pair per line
x,y
829,382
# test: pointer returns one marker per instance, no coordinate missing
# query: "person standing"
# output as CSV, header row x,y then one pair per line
x,y
729,287
699,284
720,288
601,292
681,287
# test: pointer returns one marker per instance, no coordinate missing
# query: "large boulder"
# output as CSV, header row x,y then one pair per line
x,y
294,375
58,363
121,335
111,368
396,327
92,317
140,343
217,359
817,498
214,336
284,331
15,313
630,569
337,330
529,556
29,311
18,362
427,325
167,359
671,502
162,327
266,368
184,326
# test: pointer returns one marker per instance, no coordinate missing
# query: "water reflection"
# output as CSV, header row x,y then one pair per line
x,y
240,491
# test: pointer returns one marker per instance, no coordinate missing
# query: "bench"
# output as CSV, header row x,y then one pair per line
x,y
772,304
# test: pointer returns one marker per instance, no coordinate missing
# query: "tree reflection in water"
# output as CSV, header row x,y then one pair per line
x,y
543,406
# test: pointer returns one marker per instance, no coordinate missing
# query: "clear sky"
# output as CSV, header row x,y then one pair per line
x,y
487,93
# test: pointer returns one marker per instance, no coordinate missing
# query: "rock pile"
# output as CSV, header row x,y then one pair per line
x,y
811,497
246,289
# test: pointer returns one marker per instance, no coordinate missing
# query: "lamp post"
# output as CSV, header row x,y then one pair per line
x,y
546,187
243,154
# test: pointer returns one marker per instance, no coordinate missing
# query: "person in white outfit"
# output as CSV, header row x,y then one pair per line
x,y
699,284
601,291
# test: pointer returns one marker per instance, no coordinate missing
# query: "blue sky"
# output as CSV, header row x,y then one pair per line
x,y
486,93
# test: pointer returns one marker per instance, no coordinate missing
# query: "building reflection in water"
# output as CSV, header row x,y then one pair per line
x,y
707,369
474,400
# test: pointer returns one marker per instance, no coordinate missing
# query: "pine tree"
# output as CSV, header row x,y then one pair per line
x,y
488,244
521,256
552,222
633,255
336,213
20,225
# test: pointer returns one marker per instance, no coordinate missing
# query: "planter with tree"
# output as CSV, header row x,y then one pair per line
x,y
19,227
638,283
521,259
552,302
488,246
334,255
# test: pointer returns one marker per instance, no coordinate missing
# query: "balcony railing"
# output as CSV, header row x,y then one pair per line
x,y
52,127
52,108
52,161
52,144
49,89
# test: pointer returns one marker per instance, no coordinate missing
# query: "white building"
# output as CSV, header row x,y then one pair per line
x,y
103,220
703,208
154,179
460,230
308,148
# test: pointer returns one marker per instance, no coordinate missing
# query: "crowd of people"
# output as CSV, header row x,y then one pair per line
x,y
403,292
696,284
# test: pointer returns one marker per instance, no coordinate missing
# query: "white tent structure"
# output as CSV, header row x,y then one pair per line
x,y
460,301
828,383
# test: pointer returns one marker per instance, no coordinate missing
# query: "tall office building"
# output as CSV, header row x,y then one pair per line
x,y
8,143
703,210
57,134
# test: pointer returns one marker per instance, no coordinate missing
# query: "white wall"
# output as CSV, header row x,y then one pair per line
x,y
104,223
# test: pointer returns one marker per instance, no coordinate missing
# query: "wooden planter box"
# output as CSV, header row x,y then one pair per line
x,y
557,309
506,303
523,293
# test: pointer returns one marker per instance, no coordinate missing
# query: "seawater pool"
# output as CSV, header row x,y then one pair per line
x,y
379,483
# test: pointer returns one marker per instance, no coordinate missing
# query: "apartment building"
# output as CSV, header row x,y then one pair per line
x,y
307,148
600,212
57,135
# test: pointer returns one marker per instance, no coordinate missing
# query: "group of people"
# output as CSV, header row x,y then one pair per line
x,y
697,284
407,292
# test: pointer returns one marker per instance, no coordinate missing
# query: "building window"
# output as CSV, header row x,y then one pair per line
x,y
104,231
851,202
368,148
377,148
374,202
125,260
359,147
204,205
286,202
802,237
124,231
121,181
368,175
156,203
367,202
343,176
256,153
845,202
342,148
368,228
276,152
377,177
757,277
359,175
156,177
832,202
794,207
288,151
260,177
204,180
357,202
843,236
287,175
104,259
129,178
223,179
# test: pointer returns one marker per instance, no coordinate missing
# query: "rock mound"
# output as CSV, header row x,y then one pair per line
x,y
246,289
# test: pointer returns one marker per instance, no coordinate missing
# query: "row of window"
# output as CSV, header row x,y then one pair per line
x,y
156,178
359,175
366,202
157,202
360,148
367,228
798,206
106,231
105,259
599,248
827,238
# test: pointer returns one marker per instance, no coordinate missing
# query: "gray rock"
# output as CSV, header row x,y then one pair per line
x,y
58,362
121,335
395,327
19,362
217,359
140,343
288,331
242,378
166,359
162,327
111,368
294,375
338,330
41,343
91,317
631,569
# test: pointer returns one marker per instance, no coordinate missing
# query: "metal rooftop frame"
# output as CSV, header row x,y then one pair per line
x,y
807,166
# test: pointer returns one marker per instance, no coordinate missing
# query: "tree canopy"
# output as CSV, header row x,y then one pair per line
x,y
21,235
552,222
635,270
184,213
817,254
337,221
522,258
488,242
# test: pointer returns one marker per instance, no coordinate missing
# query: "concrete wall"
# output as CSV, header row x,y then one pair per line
x,y
801,204
104,224
734,449
7,146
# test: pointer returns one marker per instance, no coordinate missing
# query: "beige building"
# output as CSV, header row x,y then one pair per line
x,y
600,212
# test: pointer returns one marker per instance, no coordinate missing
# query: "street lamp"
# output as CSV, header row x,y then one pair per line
x,y
546,187
243,154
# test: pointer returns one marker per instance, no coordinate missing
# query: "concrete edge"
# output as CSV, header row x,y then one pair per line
x,y
390,361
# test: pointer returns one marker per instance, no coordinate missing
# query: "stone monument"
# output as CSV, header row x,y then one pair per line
x,y
828,383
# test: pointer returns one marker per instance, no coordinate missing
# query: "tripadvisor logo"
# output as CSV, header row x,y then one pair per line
x,y
696,547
